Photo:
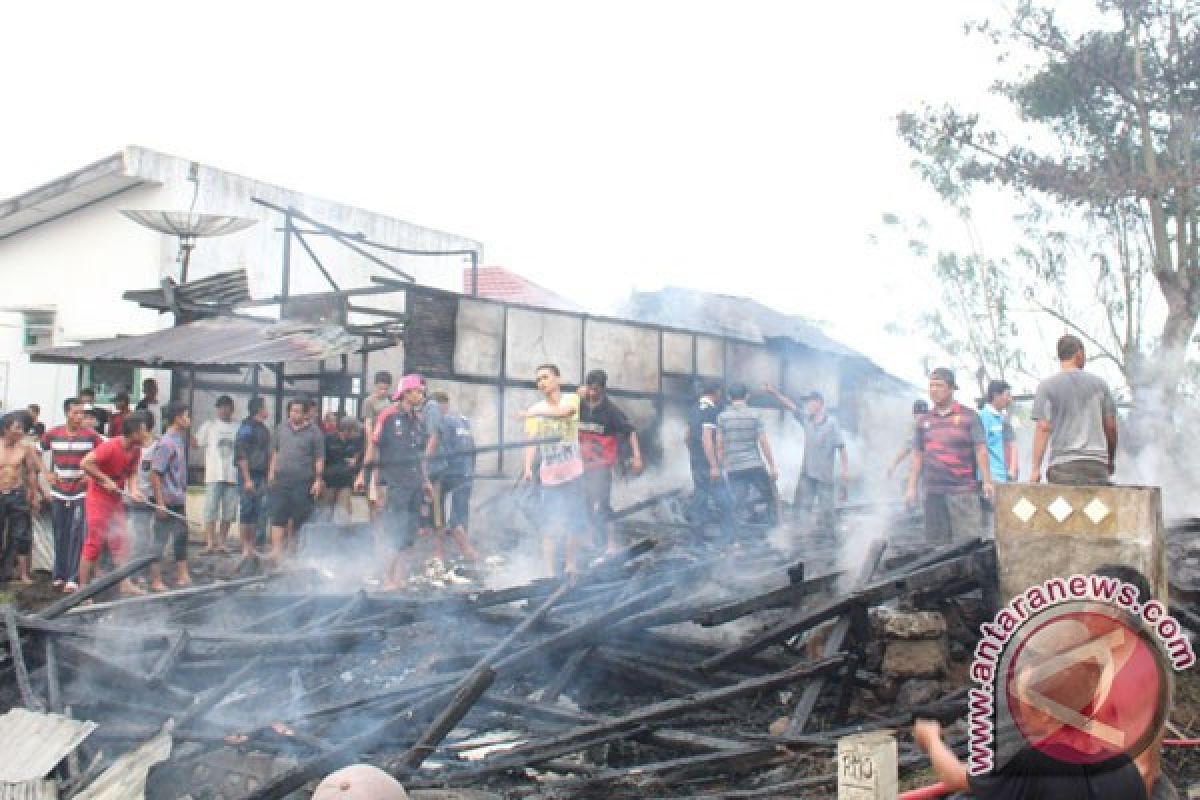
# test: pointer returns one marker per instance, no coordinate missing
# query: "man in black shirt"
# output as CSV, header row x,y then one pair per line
x,y
252,456
601,426
706,470
1032,775
343,460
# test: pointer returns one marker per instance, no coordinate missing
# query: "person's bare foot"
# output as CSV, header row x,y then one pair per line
x,y
159,586
71,587
25,579
58,583
130,589
392,586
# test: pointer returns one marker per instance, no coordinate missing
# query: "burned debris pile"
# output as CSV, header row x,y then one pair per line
x,y
666,670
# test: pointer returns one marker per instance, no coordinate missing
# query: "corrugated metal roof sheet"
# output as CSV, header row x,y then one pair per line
x,y
221,341
34,743
126,778
222,290
30,790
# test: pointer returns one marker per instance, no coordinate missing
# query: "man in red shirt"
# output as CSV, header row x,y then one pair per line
x,y
950,451
110,466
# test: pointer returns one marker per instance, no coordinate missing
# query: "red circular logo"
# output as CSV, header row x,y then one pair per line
x,y
1086,685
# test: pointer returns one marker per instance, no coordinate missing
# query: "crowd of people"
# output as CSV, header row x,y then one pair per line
x,y
114,487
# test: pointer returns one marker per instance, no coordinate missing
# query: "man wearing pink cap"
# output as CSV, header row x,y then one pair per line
x,y
397,447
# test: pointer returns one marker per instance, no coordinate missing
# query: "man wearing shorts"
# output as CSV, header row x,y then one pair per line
x,y
564,509
221,494
950,452
601,426
294,477
252,457
19,491
397,450
110,466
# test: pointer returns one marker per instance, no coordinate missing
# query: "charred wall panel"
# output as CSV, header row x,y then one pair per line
x,y
710,356
480,343
752,365
541,337
628,353
430,333
677,353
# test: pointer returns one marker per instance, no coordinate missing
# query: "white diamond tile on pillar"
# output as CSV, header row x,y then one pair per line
x,y
1024,510
1060,509
1096,511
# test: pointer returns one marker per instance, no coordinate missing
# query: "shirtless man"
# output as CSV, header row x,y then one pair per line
x,y
20,494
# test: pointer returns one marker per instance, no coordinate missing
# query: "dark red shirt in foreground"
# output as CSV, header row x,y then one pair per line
x,y
947,442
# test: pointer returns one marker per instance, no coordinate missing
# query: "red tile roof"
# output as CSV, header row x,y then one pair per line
x,y
498,283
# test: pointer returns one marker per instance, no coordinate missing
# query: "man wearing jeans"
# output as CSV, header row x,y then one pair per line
x,y
950,450
252,457
67,445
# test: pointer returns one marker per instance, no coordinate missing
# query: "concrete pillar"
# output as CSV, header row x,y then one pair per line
x,y
867,767
1047,531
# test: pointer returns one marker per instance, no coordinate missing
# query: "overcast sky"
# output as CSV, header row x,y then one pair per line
x,y
746,148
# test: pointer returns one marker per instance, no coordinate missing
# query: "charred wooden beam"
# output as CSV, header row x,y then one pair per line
x,y
836,640
65,604
664,710
783,597
29,698
874,594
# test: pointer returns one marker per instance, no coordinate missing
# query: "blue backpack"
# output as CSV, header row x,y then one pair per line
x,y
456,446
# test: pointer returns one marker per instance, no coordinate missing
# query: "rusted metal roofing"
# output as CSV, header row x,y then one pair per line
x,y
34,743
221,291
215,342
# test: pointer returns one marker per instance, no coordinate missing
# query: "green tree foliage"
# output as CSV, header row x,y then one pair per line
x,y
1107,131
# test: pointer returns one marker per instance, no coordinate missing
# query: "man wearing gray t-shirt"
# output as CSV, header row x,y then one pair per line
x,y
1076,421
744,452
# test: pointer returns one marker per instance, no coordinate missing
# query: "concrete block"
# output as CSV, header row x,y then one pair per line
x,y
1046,531
917,692
893,624
868,767
923,658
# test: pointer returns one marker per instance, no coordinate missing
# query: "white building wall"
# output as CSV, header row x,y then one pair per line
x,y
77,266
80,264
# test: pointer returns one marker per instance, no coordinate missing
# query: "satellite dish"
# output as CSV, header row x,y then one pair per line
x,y
188,226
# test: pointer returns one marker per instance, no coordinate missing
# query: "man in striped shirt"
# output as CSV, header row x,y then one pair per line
x,y
67,445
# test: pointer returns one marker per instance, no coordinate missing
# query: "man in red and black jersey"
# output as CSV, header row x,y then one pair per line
x,y
67,445
950,452
601,426
397,448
